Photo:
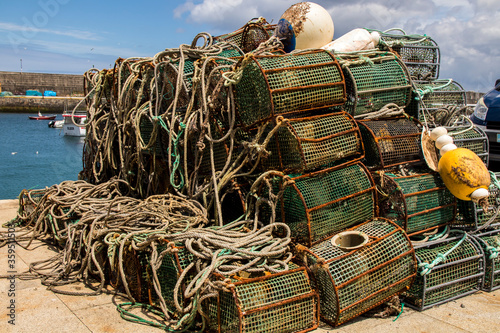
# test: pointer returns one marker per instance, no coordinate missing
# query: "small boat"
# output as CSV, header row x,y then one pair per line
x,y
42,117
56,123
74,124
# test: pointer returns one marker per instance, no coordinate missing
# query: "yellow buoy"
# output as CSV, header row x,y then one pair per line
x,y
463,172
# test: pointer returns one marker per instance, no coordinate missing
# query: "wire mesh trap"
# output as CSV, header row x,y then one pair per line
x,y
305,144
444,100
390,142
353,279
277,302
420,53
373,80
288,84
490,243
472,216
250,36
448,269
473,138
320,204
28,200
416,201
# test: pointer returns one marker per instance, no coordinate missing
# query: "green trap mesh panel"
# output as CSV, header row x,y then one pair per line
x,y
352,282
417,202
473,138
472,216
374,80
390,142
280,302
304,144
419,53
460,274
490,243
288,84
146,127
320,204
172,266
249,37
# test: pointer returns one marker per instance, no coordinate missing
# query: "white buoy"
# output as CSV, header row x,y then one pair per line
x,y
443,140
355,40
447,148
14,153
437,132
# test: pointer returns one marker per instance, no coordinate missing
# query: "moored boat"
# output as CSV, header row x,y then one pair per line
x,y
74,124
42,117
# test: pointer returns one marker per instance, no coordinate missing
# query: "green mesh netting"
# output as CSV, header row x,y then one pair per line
x,y
287,84
249,37
490,243
322,204
304,144
474,139
283,302
373,81
417,202
390,142
459,275
351,283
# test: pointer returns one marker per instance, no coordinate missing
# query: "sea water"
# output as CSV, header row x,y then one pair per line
x,y
35,156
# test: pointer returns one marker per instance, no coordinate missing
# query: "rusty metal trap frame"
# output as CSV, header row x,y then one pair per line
x,y
374,79
449,268
420,53
319,204
390,142
473,138
172,266
277,302
490,243
250,36
305,144
286,85
351,282
472,216
418,201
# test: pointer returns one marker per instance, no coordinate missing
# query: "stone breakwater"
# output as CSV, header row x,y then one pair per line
x,y
42,104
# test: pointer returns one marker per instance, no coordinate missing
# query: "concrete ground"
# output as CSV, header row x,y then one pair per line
x,y
40,310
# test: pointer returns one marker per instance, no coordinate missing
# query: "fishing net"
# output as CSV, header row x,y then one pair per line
x,y
490,243
248,304
287,84
416,201
351,282
420,53
472,216
320,204
390,142
374,79
458,272
305,144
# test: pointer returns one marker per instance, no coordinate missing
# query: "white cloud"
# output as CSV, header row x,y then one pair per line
x,y
31,30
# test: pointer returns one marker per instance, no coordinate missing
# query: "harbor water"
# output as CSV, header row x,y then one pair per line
x,y
34,156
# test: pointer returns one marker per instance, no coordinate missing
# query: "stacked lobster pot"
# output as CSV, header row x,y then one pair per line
x,y
471,137
449,268
250,36
490,242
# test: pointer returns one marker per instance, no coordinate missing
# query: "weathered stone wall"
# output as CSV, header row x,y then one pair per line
x,y
63,84
42,104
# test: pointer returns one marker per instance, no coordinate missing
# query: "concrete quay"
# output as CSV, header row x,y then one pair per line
x,y
40,310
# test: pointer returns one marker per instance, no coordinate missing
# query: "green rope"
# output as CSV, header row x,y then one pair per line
x,y
494,179
440,257
430,89
400,312
127,315
493,251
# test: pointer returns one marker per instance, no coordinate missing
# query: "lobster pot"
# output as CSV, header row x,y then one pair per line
x,y
147,130
419,53
361,268
170,270
279,302
305,144
460,274
473,138
417,202
285,85
250,36
490,243
390,142
374,80
472,216
28,200
320,204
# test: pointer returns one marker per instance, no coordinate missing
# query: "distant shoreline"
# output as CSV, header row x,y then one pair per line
x,y
34,104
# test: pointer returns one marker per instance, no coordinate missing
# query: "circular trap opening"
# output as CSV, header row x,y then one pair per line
x,y
350,240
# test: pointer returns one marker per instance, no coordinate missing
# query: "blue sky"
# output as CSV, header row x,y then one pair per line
x,y
71,36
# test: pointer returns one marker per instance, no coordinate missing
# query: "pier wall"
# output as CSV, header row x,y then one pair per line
x,y
42,104
63,84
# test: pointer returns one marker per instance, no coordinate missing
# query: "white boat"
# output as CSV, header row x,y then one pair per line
x,y
56,123
74,124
